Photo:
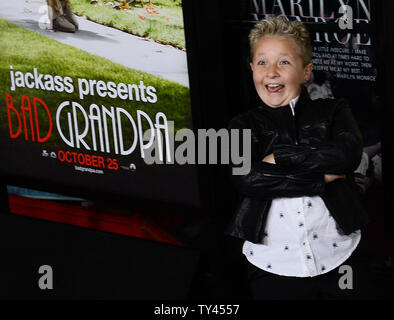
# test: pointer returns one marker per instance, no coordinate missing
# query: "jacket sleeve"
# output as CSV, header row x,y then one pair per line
x,y
265,180
340,155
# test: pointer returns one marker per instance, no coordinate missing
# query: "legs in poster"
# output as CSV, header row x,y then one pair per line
x,y
61,16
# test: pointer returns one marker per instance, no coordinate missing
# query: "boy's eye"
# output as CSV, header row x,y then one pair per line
x,y
284,62
261,63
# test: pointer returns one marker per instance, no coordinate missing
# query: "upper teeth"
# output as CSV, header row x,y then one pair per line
x,y
273,85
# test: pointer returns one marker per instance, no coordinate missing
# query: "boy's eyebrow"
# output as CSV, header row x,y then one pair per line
x,y
281,54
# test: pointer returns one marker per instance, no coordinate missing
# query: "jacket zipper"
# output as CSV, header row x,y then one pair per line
x,y
295,124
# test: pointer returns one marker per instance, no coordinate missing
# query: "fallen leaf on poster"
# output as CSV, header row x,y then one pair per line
x,y
150,9
125,5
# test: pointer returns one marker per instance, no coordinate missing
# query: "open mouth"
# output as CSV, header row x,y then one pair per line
x,y
274,88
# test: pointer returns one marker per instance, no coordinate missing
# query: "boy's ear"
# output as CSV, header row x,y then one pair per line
x,y
251,66
307,71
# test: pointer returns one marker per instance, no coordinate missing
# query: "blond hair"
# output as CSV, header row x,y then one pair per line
x,y
280,26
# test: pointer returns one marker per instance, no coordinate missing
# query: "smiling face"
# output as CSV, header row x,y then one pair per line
x,y
278,70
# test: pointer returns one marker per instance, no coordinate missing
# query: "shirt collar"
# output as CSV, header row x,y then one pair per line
x,y
294,101
293,104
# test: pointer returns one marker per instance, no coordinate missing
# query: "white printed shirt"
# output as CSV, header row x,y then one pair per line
x,y
301,238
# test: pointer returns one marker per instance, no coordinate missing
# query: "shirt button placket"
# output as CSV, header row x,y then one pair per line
x,y
308,257
305,246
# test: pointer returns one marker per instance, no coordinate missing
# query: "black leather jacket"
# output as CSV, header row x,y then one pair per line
x,y
321,138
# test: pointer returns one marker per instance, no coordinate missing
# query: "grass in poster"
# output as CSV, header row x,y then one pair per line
x,y
160,20
25,50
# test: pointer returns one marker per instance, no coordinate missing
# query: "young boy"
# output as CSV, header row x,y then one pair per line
x,y
300,214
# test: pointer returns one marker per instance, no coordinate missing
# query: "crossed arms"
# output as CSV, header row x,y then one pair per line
x,y
300,170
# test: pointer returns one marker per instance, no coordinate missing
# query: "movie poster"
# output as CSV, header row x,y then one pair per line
x,y
92,94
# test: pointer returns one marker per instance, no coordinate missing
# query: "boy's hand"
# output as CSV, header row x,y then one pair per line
x,y
332,177
269,158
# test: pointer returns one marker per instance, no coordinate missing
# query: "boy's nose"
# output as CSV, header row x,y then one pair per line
x,y
272,71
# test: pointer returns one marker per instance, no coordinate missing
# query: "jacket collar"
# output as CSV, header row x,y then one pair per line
x,y
304,97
